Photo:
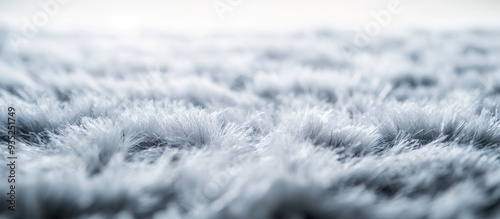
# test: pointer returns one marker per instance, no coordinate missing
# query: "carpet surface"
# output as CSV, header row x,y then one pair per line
x,y
253,126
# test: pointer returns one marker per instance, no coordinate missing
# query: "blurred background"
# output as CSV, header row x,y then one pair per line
x,y
247,15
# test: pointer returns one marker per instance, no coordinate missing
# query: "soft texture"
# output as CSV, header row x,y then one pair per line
x,y
254,126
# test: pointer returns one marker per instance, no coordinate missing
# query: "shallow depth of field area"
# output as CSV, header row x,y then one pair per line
x,y
254,125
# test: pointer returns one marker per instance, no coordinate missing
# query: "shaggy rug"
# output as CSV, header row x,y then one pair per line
x,y
296,125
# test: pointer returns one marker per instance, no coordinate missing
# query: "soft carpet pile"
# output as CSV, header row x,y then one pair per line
x,y
253,126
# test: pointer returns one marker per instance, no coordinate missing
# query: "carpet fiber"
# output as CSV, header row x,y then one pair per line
x,y
253,126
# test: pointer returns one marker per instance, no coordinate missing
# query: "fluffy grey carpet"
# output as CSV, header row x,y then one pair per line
x,y
253,126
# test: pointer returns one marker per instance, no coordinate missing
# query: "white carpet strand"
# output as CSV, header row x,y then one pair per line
x,y
255,126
